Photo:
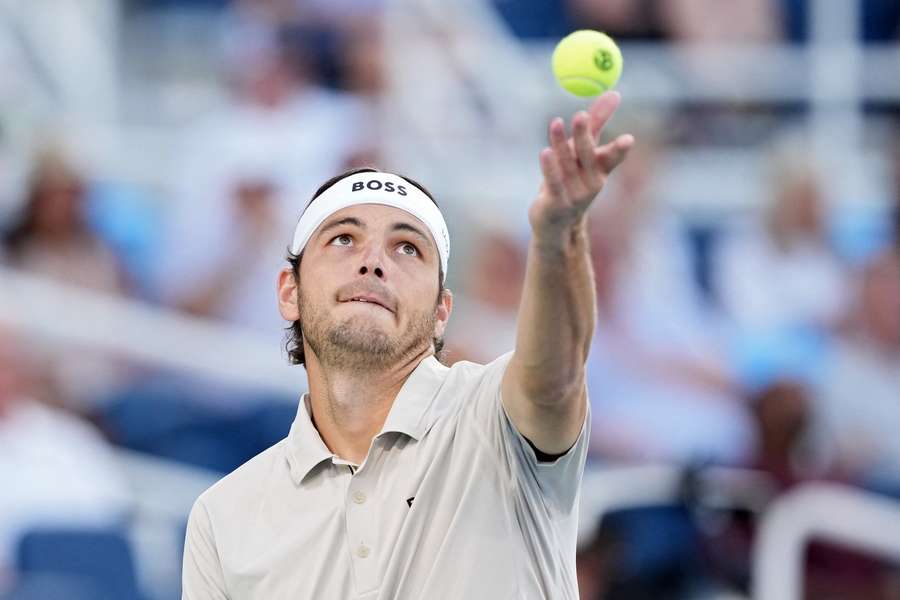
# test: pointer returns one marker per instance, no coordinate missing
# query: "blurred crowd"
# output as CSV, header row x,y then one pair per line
x,y
766,340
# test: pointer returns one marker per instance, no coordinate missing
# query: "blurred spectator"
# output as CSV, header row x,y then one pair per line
x,y
780,274
782,411
658,389
859,406
363,73
362,62
248,170
785,412
697,24
56,468
239,286
483,325
214,424
340,13
51,236
738,21
272,11
622,19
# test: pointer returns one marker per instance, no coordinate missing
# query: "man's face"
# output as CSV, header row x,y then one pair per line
x,y
368,288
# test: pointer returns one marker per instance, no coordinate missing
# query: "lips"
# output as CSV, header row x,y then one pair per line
x,y
369,299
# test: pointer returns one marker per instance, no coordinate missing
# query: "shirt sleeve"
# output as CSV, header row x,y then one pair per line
x,y
202,577
557,482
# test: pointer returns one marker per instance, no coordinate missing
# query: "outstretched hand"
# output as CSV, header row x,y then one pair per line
x,y
575,169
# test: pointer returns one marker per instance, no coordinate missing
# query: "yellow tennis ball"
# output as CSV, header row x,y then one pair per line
x,y
587,62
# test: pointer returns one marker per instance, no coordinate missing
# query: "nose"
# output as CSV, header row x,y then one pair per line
x,y
372,263
378,271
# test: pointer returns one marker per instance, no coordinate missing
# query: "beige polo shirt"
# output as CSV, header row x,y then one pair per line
x,y
450,502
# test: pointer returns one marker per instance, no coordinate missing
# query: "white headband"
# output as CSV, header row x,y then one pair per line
x,y
374,188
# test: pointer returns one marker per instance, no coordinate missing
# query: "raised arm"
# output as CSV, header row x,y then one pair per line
x,y
543,388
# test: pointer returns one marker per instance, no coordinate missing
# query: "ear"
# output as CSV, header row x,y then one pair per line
x,y
442,312
287,295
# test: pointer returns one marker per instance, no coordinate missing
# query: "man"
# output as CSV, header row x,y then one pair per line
x,y
402,478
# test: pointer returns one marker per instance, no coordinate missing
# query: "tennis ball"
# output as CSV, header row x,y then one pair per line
x,y
587,62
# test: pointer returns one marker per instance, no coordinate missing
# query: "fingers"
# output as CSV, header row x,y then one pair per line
x,y
575,168
563,152
601,110
584,149
608,156
553,175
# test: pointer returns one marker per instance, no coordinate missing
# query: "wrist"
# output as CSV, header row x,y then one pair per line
x,y
561,239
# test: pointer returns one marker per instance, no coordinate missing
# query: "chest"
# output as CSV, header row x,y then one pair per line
x,y
411,516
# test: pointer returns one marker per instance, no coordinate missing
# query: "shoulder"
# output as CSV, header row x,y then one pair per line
x,y
470,374
244,486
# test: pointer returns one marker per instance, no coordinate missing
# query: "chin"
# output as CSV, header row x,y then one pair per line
x,y
364,332
364,323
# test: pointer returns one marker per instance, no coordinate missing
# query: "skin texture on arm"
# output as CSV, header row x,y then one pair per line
x,y
543,387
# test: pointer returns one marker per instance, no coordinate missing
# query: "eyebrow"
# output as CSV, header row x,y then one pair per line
x,y
338,223
357,223
414,230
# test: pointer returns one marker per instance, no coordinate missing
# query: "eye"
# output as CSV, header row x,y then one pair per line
x,y
342,240
408,249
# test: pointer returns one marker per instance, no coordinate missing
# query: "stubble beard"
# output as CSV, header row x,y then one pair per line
x,y
358,342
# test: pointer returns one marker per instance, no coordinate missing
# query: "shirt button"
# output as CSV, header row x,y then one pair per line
x,y
359,496
362,551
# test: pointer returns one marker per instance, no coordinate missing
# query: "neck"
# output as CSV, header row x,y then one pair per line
x,y
349,406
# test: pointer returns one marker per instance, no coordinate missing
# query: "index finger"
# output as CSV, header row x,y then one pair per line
x,y
601,110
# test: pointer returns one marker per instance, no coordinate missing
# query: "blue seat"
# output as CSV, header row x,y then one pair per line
x,y
57,587
96,558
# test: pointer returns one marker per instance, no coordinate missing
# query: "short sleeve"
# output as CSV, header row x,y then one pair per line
x,y
202,577
557,482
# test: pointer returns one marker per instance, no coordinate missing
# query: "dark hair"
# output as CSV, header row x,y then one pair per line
x,y
294,332
48,171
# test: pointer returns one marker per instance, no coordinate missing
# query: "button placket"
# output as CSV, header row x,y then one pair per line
x,y
362,524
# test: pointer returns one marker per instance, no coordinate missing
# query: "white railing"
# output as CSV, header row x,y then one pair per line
x,y
827,512
42,308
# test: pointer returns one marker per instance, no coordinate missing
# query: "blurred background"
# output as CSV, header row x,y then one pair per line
x,y
745,372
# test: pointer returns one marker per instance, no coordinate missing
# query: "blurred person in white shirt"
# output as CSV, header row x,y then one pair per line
x,y
859,404
659,389
278,135
51,237
56,469
486,322
781,273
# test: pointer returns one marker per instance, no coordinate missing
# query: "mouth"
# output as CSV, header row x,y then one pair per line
x,y
370,301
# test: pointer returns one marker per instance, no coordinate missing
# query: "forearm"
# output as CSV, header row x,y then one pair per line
x,y
557,316
543,388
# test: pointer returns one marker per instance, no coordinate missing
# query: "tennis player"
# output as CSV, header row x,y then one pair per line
x,y
402,478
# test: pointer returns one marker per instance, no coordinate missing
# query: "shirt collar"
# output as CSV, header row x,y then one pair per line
x,y
409,415
306,450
